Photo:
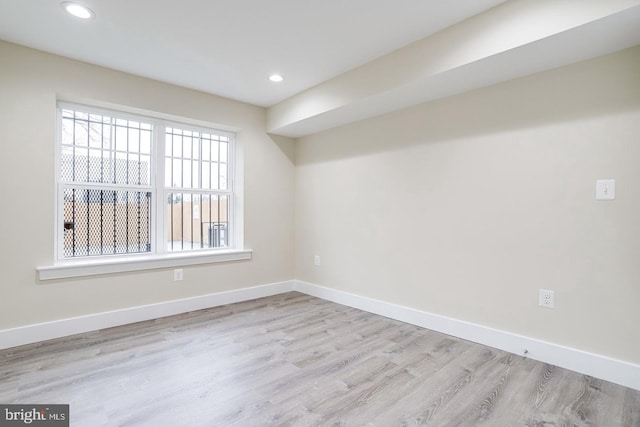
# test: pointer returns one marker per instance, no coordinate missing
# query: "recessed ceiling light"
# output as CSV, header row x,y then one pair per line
x,y
276,78
78,10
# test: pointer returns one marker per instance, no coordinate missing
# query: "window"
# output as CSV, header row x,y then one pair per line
x,y
132,185
197,185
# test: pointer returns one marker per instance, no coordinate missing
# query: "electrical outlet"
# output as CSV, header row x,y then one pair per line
x,y
547,298
316,260
178,274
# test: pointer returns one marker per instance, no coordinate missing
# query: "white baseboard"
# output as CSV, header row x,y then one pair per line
x,y
606,368
93,322
616,371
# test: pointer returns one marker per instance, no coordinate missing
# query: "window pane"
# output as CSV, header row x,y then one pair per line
x,y
177,173
95,166
67,132
177,146
206,176
134,141
106,222
195,152
195,174
187,143
214,150
105,142
223,176
95,134
145,142
104,161
224,148
120,167
186,173
80,164
214,176
121,138
80,135
145,170
133,169
206,150
197,221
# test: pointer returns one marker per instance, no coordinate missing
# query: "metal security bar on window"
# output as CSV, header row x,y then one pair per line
x,y
105,174
113,201
198,189
197,221
196,160
106,222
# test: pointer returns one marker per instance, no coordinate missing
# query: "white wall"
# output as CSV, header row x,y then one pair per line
x,y
30,82
465,207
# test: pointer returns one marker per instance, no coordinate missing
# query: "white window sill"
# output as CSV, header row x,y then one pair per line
x,y
94,267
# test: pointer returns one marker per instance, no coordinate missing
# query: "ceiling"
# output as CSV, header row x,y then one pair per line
x,y
514,39
343,60
229,48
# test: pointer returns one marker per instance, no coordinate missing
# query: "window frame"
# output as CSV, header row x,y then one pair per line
x,y
160,256
60,184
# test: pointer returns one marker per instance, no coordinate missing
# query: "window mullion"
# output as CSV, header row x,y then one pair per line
x,y
160,218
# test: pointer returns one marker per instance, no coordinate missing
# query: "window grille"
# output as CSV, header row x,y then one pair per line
x,y
105,173
106,222
197,188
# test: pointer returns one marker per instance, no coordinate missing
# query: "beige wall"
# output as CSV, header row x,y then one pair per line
x,y
465,207
30,82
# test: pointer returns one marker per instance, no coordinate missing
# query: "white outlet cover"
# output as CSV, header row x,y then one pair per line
x,y
606,189
547,298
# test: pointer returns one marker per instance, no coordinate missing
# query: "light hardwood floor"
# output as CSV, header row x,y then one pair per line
x,y
297,360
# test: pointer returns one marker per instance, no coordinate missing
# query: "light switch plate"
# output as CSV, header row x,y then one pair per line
x,y
605,189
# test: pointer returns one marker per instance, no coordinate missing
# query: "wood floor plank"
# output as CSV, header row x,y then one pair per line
x,y
295,360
